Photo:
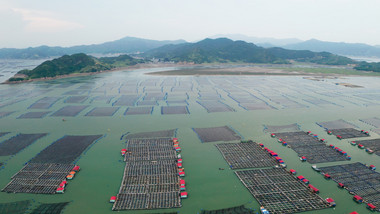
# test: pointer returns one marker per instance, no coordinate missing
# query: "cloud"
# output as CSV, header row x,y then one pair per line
x,y
44,22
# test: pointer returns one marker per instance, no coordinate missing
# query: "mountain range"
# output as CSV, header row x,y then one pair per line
x,y
259,41
340,48
124,45
128,45
223,50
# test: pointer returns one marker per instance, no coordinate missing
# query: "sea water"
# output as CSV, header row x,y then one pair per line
x,y
209,188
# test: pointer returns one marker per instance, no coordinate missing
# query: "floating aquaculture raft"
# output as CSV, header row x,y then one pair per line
x,y
232,210
33,115
18,207
102,111
373,122
3,133
357,178
76,99
336,124
139,110
310,147
38,178
215,106
69,111
245,155
284,128
223,133
46,171
280,192
53,208
17,143
373,145
348,133
44,103
156,134
174,110
5,113
150,178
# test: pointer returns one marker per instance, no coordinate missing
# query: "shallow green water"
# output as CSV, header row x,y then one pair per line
x,y
208,187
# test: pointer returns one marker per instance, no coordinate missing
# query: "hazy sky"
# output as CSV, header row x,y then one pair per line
x,y
25,23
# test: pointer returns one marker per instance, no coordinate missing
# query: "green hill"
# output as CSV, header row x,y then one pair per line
x,y
225,50
365,66
76,63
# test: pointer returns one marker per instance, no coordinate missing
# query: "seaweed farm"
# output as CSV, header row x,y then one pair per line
x,y
134,143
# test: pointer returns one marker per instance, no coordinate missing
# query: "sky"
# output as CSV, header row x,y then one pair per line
x,y
26,23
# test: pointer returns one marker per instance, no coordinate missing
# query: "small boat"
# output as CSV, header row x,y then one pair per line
x,y
263,210
112,199
183,194
358,199
315,168
76,168
60,190
331,202
371,207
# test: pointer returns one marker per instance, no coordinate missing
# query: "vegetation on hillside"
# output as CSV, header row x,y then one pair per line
x,y
76,63
365,66
225,50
